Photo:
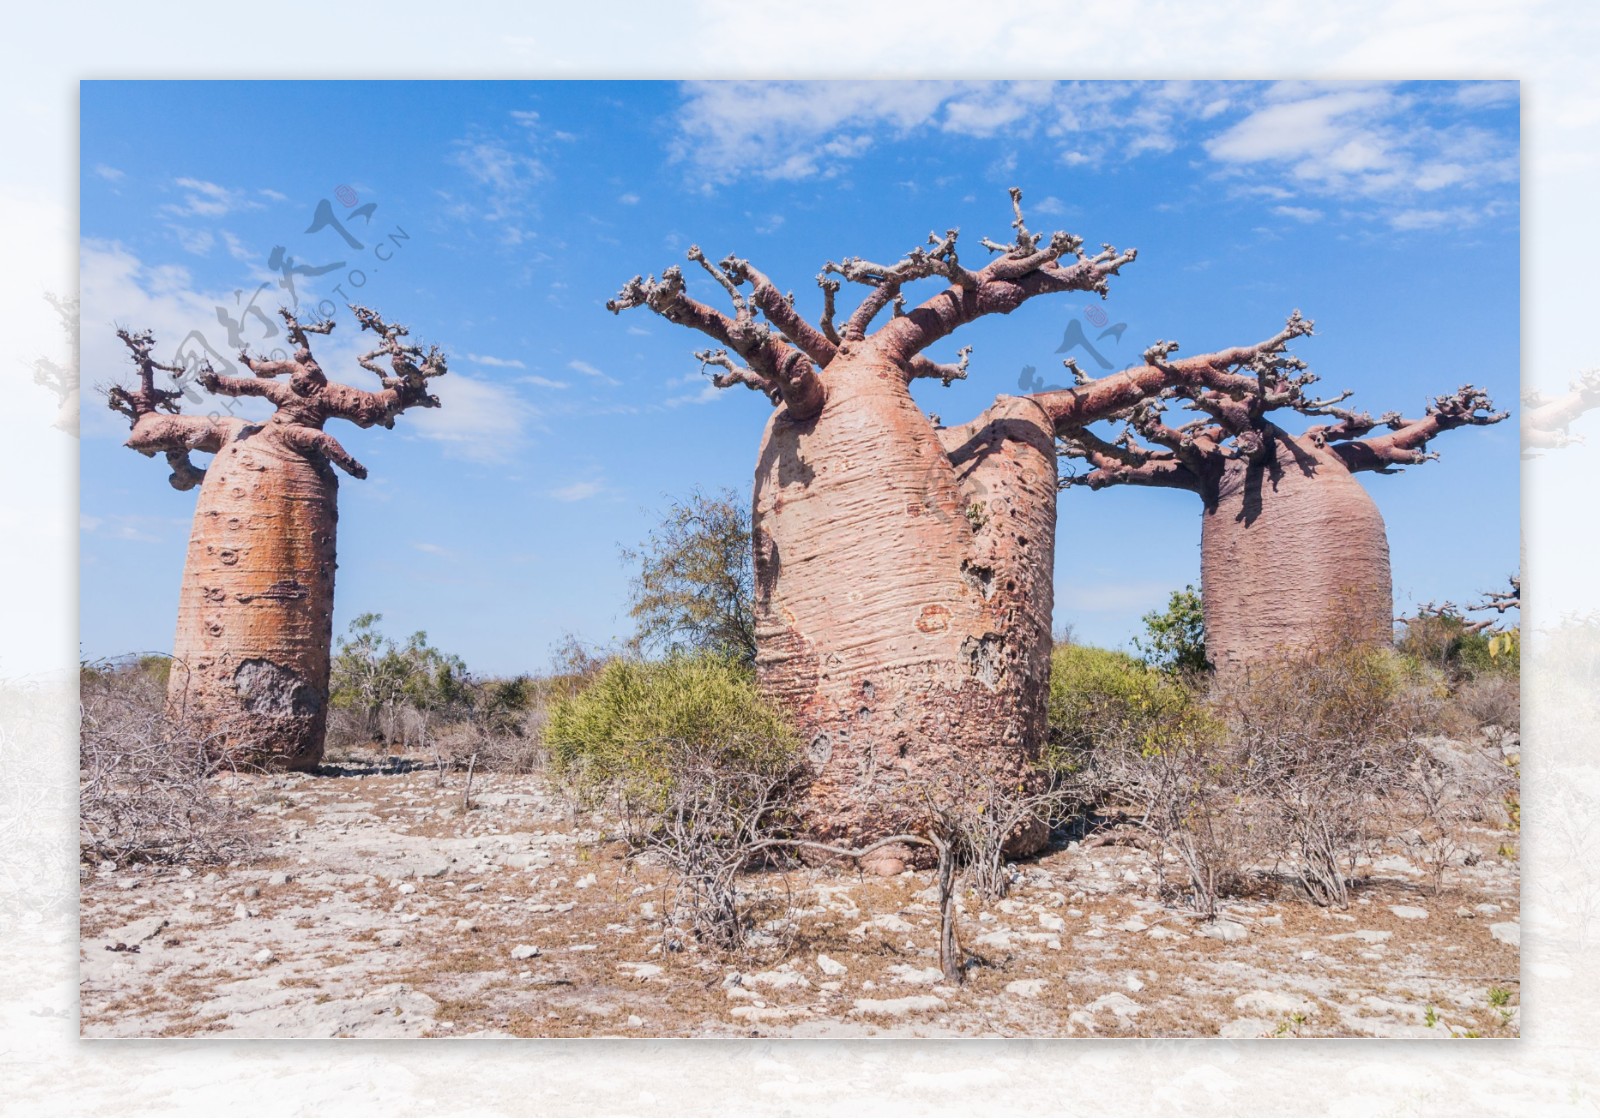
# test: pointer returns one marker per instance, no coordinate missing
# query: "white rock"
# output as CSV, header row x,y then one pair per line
x,y
1027,988
1507,932
905,973
1116,1002
524,952
278,879
779,979
1248,1027
408,888
1274,1004
1133,983
830,966
466,924
1229,932
586,881
634,1021
391,938
1371,936
1409,912
1132,924
895,1008
264,956
1052,922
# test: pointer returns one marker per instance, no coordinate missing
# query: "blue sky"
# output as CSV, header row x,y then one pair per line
x,y
503,215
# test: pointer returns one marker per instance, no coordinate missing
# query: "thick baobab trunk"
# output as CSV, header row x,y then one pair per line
x,y
903,596
1293,552
255,616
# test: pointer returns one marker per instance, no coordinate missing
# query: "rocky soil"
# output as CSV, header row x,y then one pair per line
x,y
380,907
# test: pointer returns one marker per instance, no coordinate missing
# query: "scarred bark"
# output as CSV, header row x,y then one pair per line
x,y
255,611
1292,547
903,571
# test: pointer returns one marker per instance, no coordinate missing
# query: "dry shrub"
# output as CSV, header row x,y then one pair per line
x,y
1450,786
150,784
714,818
1323,740
1490,700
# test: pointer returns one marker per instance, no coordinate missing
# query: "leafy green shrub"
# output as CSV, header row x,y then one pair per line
x,y
618,735
1175,638
1100,696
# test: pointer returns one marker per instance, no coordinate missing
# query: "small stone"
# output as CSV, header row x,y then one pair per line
x,y
1132,924
634,1021
1409,912
466,924
586,881
1133,983
1051,922
1027,988
1116,1002
905,973
1507,932
469,888
524,952
264,956
391,938
278,879
240,912
830,966
252,891
127,883
408,888
1466,913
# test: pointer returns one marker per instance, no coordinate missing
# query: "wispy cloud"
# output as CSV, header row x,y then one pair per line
x,y
1298,213
591,371
629,199
108,173
1372,143
542,382
478,420
496,362
209,200
580,491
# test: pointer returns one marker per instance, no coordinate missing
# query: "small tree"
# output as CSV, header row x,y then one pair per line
x,y
1175,638
695,590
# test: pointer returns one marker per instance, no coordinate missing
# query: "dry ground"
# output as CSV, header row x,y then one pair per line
x,y
381,909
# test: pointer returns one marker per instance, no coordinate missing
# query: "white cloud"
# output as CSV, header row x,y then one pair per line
x,y
108,173
497,362
507,176
591,371
1298,213
477,419
580,491
1379,143
432,549
542,382
208,200
629,199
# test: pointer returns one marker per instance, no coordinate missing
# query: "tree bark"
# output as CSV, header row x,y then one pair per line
x,y
1293,549
255,615
903,595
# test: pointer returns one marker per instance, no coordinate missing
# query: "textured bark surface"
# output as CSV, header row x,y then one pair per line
x,y
903,595
255,613
1293,549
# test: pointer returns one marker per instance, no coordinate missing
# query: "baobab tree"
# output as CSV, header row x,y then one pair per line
x,y
255,612
1546,422
1291,543
904,569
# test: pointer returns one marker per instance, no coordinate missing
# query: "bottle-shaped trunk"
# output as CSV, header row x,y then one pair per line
x,y
903,596
1293,554
255,614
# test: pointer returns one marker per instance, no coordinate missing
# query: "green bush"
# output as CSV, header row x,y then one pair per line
x,y
617,735
1175,638
1099,696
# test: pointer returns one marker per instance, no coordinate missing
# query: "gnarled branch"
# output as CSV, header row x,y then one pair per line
x,y
1407,443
